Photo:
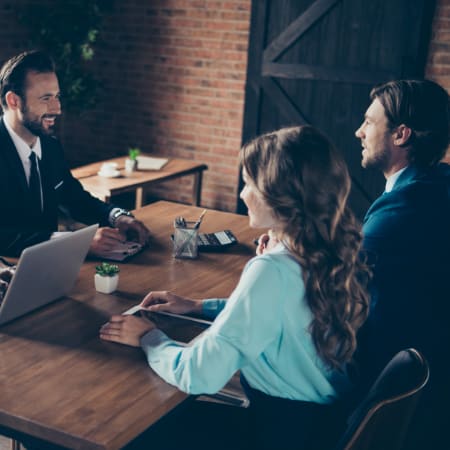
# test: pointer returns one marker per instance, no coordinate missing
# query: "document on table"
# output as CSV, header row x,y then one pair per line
x,y
182,328
185,330
151,163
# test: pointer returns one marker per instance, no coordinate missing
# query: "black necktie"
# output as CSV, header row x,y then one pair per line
x,y
35,185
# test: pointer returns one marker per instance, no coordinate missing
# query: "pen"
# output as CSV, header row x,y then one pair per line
x,y
199,221
188,239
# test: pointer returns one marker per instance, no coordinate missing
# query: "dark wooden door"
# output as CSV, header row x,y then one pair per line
x,y
316,61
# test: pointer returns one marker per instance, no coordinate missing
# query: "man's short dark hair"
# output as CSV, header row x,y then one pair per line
x,y
423,106
14,72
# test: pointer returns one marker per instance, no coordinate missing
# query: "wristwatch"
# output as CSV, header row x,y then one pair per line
x,y
117,213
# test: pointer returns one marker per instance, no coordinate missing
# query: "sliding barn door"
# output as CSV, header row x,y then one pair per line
x,y
314,62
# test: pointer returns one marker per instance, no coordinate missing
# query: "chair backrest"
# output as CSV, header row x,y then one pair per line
x,y
381,419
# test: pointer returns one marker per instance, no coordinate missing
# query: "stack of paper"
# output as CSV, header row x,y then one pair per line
x,y
150,163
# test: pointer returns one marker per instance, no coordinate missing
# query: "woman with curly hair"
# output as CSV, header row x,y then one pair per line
x,y
290,325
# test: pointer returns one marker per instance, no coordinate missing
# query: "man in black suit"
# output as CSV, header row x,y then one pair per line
x,y
35,180
406,234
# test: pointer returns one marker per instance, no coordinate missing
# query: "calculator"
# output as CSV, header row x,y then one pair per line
x,y
213,242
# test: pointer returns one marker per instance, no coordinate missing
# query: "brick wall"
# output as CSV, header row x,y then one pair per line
x,y
438,64
173,73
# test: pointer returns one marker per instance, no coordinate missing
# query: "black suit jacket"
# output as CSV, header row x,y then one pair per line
x,y
19,228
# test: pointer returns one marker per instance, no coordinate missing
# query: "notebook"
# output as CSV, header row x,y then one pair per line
x,y
45,272
150,163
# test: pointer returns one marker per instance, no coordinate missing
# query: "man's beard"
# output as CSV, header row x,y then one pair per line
x,y
34,126
378,159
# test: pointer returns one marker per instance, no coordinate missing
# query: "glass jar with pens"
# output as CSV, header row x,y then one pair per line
x,y
185,239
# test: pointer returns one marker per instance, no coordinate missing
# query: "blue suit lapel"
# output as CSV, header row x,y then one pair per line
x,y
374,206
405,178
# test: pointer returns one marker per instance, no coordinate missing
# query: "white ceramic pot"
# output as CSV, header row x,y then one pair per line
x,y
106,285
130,165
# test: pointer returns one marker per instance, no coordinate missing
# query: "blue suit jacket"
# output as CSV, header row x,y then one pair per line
x,y
18,227
407,240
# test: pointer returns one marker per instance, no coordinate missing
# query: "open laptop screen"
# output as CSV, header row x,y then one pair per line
x,y
46,272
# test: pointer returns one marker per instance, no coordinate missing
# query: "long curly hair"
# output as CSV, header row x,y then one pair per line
x,y
305,181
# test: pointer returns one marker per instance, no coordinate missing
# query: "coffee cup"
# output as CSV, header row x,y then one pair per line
x,y
108,168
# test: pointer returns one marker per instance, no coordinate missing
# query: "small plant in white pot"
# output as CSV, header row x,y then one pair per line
x,y
106,277
131,161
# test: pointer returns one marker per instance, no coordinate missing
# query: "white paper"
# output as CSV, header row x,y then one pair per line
x,y
136,308
151,163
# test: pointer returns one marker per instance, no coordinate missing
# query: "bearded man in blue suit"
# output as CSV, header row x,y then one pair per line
x,y
406,231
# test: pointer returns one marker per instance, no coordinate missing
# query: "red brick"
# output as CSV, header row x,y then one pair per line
x,y
174,73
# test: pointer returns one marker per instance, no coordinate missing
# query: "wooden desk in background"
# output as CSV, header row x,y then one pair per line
x,y
104,188
61,383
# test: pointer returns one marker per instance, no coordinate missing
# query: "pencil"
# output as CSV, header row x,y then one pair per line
x,y
199,221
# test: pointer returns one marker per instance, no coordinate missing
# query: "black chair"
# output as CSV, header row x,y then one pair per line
x,y
380,421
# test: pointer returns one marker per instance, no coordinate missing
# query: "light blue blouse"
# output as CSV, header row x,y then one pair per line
x,y
262,329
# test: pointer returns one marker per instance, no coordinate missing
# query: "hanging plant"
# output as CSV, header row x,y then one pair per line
x,y
68,31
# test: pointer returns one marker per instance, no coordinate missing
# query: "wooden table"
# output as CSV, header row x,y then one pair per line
x,y
105,188
61,383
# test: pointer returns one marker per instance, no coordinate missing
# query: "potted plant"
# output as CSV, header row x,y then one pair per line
x,y
72,47
106,277
131,161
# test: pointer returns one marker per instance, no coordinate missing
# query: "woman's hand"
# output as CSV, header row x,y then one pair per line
x,y
126,329
166,301
266,242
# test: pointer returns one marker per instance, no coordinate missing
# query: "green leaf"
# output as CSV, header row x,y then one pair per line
x,y
67,30
133,153
107,270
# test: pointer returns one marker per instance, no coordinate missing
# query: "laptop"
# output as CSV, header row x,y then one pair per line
x,y
46,272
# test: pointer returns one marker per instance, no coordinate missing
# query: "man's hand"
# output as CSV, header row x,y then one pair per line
x,y
6,274
105,240
126,330
133,229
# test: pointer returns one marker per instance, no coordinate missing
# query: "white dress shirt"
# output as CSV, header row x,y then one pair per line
x,y
24,150
390,182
